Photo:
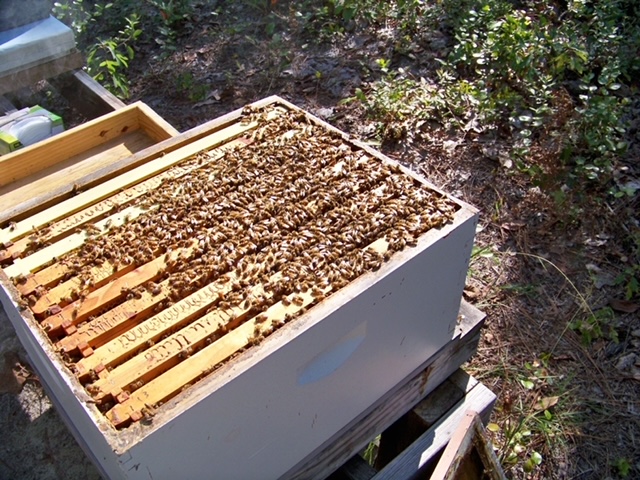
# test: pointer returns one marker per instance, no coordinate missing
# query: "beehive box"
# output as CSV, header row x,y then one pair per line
x,y
224,309
43,173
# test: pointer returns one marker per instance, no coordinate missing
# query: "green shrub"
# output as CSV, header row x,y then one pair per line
x,y
504,68
108,54
108,32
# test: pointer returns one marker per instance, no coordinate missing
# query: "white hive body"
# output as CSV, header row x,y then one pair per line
x,y
229,312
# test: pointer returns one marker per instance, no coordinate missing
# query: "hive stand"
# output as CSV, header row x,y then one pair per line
x,y
85,94
30,73
469,454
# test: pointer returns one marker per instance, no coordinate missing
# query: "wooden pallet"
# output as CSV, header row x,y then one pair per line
x,y
138,326
412,446
469,453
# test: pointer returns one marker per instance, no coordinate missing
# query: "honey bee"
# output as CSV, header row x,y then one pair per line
x,y
93,389
147,413
53,310
155,289
92,229
126,291
22,305
185,353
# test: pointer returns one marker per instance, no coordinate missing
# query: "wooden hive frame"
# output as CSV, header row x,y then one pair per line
x,y
134,328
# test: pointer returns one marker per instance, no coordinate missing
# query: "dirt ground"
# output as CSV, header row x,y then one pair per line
x,y
35,442
537,266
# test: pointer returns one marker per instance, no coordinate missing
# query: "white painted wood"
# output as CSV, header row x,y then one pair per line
x,y
425,381
271,407
260,418
33,42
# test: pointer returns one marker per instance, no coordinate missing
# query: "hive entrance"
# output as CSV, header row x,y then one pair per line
x,y
146,289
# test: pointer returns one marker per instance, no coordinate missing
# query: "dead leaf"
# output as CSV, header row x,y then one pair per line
x,y
211,98
623,305
513,225
471,292
604,280
506,162
450,145
626,362
546,403
204,103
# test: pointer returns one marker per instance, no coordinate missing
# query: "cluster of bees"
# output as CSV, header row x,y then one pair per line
x,y
297,200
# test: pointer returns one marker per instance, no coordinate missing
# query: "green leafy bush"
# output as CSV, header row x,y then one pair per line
x,y
109,32
173,14
108,54
107,60
505,67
